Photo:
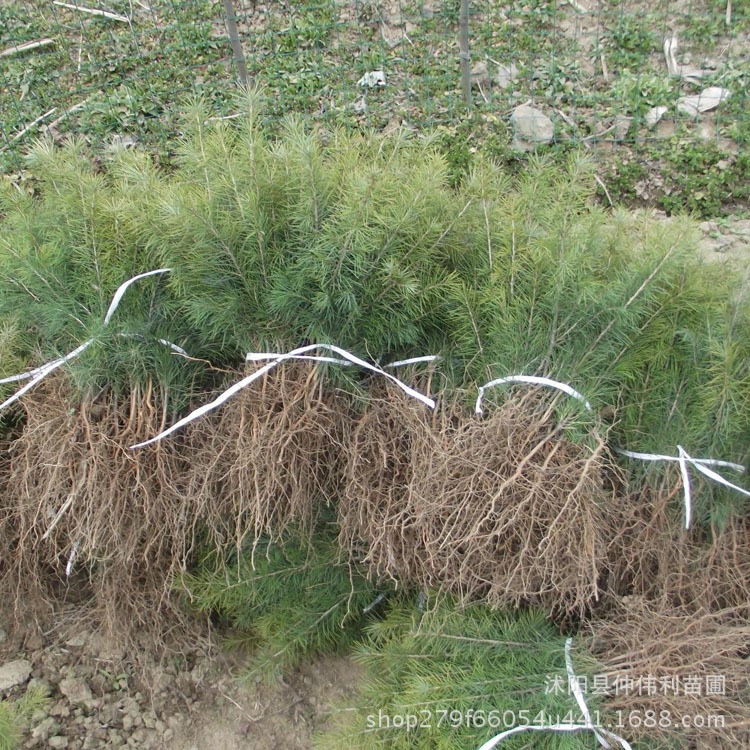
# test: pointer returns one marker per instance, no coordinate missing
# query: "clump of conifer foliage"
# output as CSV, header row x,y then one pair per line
x,y
366,242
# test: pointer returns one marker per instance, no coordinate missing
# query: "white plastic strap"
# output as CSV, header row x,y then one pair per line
x,y
602,735
265,356
261,356
294,354
701,464
534,380
497,739
694,461
578,693
683,458
71,559
124,287
44,370
413,361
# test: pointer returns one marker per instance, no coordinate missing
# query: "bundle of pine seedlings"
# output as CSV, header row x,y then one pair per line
x,y
82,517
260,245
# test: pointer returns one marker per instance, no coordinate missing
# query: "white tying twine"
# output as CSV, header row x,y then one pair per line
x,y
163,342
701,464
262,356
497,739
37,374
683,458
534,380
71,559
300,353
602,735
578,694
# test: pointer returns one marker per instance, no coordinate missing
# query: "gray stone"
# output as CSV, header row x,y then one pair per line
x,y
76,691
707,100
45,728
620,127
59,742
14,673
79,640
40,685
531,128
480,75
506,75
60,709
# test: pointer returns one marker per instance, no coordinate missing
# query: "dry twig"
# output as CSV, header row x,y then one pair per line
x,y
17,49
93,11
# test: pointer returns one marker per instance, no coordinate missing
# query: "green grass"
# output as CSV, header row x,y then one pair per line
x,y
129,79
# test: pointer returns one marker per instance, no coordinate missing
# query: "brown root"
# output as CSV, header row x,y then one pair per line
x,y
653,557
679,610
90,520
269,459
503,508
685,661
85,518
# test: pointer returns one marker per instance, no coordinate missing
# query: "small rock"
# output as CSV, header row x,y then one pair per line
x,y
480,76
45,729
3,636
620,126
506,75
76,691
531,128
33,640
14,673
107,714
58,742
160,680
79,640
372,79
707,100
654,115
60,709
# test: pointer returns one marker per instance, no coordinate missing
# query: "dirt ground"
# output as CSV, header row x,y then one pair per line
x,y
286,715
195,702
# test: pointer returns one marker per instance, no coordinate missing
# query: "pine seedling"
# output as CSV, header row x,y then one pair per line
x,y
287,603
16,713
464,674
63,255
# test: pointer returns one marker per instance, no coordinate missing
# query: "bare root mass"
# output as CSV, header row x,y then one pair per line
x,y
269,459
653,557
85,517
503,508
685,661
684,621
